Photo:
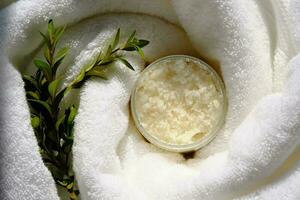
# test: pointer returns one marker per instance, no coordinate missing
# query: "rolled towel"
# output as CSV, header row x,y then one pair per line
x,y
253,44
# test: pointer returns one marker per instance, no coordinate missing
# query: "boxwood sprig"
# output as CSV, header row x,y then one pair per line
x,y
53,124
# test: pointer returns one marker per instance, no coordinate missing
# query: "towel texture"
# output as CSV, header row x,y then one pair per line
x,y
253,44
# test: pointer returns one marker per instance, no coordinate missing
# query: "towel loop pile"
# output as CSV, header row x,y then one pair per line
x,y
254,44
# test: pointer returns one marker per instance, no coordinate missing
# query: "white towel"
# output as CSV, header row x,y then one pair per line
x,y
254,44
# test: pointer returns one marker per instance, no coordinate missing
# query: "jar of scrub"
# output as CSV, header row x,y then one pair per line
x,y
179,103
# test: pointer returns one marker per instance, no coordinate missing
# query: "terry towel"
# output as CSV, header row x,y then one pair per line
x,y
253,44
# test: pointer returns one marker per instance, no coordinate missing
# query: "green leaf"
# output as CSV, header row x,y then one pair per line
x,y
33,94
116,40
80,77
106,62
108,53
125,62
47,55
43,104
140,52
93,62
67,90
59,97
142,43
43,82
58,33
35,121
56,65
59,58
61,53
131,37
46,39
63,183
38,75
136,44
98,72
129,45
70,186
51,29
59,122
72,195
30,80
44,67
99,57
52,88
72,114
50,25
129,48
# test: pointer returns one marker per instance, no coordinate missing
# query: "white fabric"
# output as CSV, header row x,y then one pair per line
x,y
254,44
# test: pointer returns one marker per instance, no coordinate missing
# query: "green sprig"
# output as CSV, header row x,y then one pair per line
x,y
53,126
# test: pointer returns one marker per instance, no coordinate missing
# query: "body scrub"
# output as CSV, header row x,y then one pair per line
x,y
179,103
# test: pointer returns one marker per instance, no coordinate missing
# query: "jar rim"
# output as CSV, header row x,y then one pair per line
x,y
203,141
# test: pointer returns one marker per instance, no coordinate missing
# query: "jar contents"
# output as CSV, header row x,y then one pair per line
x,y
179,100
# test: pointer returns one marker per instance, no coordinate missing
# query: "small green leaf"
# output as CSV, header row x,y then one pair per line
x,y
33,94
106,62
52,88
44,82
70,186
72,114
47,55
90,65
116,40
38,76
41,64
140,52
30,80
42,103
125,62
129,48
61,53
59,58
67,90
72,195
35,121
46,39
108,53
142,43
60,96
129,45
51,30
50,25
44,67
131,37
58,33
80,77
99,57
59,122
56,65
98,72
62,183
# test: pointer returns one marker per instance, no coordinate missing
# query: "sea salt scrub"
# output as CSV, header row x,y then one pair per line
x,y
179,103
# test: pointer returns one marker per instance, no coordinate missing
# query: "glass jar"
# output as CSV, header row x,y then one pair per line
x,y
207,137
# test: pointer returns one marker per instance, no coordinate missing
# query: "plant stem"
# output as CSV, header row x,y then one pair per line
x,y
54,132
